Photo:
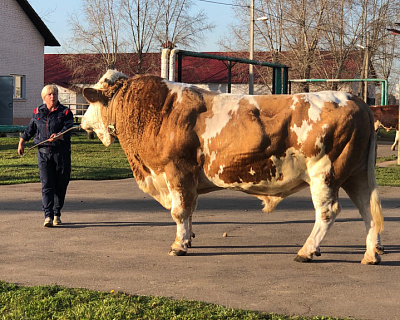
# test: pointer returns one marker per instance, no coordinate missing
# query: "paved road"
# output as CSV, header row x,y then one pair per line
x,y
117,238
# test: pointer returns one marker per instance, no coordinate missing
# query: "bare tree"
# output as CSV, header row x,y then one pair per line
x,y
142,18
109,28
319,37
100,32
177,27
307,18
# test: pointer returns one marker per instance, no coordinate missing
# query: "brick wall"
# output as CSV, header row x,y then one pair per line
x,y
21,53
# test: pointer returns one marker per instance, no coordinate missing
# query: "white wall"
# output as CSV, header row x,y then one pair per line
x,y
235,88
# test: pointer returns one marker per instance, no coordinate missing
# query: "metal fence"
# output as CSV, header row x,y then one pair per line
x,y
78,109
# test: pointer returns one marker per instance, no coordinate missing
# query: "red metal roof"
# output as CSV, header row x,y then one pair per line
x,y
57,68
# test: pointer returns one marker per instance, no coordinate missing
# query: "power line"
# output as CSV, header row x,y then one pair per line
x,y
225,4
268,14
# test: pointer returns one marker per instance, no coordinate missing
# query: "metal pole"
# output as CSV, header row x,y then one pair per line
x,y
229,76
366,68
164,63
251,57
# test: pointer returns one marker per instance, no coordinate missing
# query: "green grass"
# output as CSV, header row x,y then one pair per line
x,y
384,135
55,302
91,160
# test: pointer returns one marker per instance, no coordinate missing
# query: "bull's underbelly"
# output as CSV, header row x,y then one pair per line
x,y
263,187
268,176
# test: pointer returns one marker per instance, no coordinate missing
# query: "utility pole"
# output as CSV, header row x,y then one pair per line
x,y
251,57
366,68
363,86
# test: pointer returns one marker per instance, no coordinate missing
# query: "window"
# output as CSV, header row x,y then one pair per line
x,y
19,86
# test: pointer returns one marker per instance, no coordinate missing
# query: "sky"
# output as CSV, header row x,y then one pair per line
x,y
55,14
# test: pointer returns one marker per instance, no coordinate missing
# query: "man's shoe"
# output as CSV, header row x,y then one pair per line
x,y
57,220
48,222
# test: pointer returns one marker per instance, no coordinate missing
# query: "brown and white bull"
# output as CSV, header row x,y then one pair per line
x,y
182,141
387,117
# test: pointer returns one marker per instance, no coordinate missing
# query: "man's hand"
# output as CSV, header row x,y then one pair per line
x,y
55,137
21,148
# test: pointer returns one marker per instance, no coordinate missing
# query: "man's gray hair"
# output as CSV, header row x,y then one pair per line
x,y
50,88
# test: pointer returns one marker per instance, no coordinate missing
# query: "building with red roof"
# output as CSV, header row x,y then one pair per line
x,y
22,40
71,72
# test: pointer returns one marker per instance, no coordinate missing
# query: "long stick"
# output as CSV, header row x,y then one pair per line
x,y
56,136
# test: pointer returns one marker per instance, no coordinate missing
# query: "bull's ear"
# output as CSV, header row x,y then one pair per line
x,y
94,95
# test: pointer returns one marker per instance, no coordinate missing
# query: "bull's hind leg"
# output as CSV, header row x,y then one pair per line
x,y
327,208
396,141
357,189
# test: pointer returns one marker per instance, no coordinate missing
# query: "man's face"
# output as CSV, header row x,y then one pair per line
x,y
51,99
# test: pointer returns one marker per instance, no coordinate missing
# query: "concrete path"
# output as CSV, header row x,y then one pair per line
x,y
115,237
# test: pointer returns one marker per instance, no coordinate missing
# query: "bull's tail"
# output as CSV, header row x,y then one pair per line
x,y
375,200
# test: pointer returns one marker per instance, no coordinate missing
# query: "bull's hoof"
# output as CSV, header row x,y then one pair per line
x,y
368,260
302,259
175,252
380,250
317,253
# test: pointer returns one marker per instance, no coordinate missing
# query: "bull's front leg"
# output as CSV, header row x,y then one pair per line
x,y
184,233
182,186
181,212
182,241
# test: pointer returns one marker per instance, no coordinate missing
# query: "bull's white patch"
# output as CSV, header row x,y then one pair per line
x,y
177,88
316,102
224,106
182,231
93,121
320,138
156,186
318,99
176,200
199,153
110,77
302,132
295,101
252,101
213,156
252,172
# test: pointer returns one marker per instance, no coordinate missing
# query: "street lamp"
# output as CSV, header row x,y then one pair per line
x,y
251,57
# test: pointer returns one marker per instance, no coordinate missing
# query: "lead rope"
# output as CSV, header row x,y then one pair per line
x,y
56,136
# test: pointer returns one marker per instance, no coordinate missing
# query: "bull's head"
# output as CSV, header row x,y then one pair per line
x,y
97,116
